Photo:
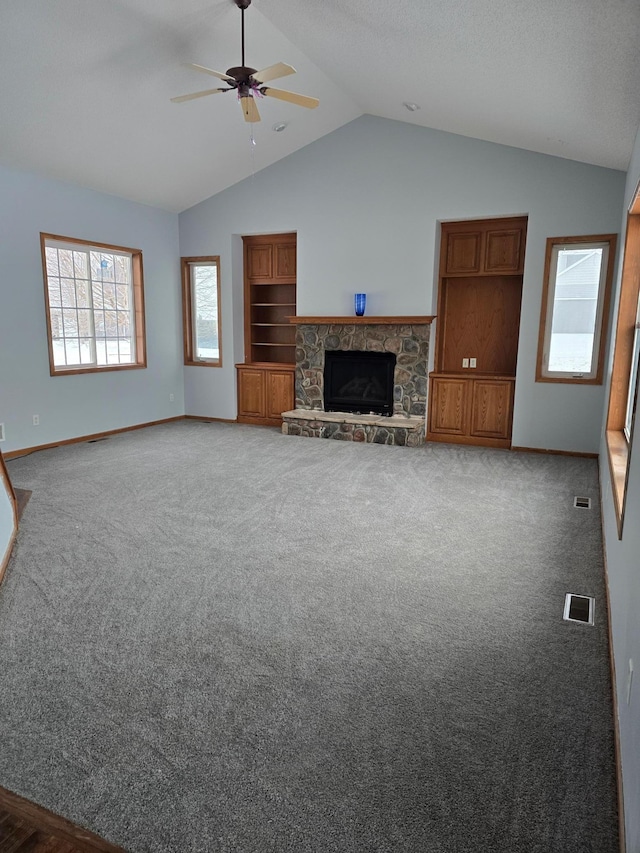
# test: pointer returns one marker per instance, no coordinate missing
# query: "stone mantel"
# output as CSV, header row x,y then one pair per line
x,y
416,320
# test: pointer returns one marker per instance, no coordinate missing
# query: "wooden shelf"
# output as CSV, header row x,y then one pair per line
x,y
268,365
471,373
368,321
266,344
274,304
279,325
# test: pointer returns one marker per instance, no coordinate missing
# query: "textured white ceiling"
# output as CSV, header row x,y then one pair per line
x,y
86,83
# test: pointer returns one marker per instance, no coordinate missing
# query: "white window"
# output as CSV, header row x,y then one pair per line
x,y
201,311
575,308
94,300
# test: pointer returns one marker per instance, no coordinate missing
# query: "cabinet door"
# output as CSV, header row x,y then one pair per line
x,y
449,406
251,396
504,251
463,253
285,262
260,261
491,408
279,393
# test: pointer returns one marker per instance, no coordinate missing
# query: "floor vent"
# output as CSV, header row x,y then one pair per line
x,y
582,503
579,608
96,440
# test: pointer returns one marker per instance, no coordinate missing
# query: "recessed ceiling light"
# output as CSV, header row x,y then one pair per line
x,y
279,126
410,106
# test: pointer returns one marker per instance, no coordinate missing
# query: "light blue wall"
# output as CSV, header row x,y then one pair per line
x,y
366,201
71,406
623,567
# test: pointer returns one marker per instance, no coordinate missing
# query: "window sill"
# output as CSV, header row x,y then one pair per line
x,y
618,452
571,380
203,363
74,371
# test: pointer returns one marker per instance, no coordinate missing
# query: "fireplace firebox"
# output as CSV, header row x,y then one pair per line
x,y
359,382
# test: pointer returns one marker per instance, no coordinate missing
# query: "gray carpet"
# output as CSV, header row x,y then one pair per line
x,y
217,638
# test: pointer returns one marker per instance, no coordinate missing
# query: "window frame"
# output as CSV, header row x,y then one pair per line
x,y
632,390
554,245
186,265
623,369
137,313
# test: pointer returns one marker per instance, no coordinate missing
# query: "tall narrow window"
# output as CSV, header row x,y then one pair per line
x,y
95,306
623,391
575,307
633,379
201,311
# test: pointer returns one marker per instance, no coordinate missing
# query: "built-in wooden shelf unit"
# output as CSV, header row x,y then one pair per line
x,y
266,379
479,296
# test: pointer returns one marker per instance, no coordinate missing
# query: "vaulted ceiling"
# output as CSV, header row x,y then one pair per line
x,y
86,84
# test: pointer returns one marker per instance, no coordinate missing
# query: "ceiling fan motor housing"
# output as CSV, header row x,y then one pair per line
x,y
241,73
242,4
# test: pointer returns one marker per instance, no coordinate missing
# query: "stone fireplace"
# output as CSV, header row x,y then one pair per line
x,y
407,338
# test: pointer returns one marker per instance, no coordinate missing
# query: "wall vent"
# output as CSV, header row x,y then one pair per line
x,y
1,432
582,503
579,608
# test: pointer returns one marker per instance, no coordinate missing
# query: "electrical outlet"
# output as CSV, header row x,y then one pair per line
x,y
629,681
465,362
36,420
171,398
472,362
2,435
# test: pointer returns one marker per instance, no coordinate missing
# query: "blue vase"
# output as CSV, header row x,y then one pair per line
x,y
360,302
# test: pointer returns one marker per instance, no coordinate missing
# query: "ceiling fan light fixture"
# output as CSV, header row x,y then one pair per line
x,y
410,106
279,126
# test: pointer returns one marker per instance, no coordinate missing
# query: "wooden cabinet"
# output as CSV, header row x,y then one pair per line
x,y
480,291
271,258
251,392
484,247
265,380
491,408
279,396
463,252
471,411
264,393
504,251
449,403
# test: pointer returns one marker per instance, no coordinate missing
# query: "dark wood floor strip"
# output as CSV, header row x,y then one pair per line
x,y
28,828
16,836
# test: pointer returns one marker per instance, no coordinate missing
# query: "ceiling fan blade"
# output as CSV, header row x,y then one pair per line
x,y
249,108
213,73
273,72
292,97
191,97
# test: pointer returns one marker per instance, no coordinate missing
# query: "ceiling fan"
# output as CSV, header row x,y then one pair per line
x,y
249,83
